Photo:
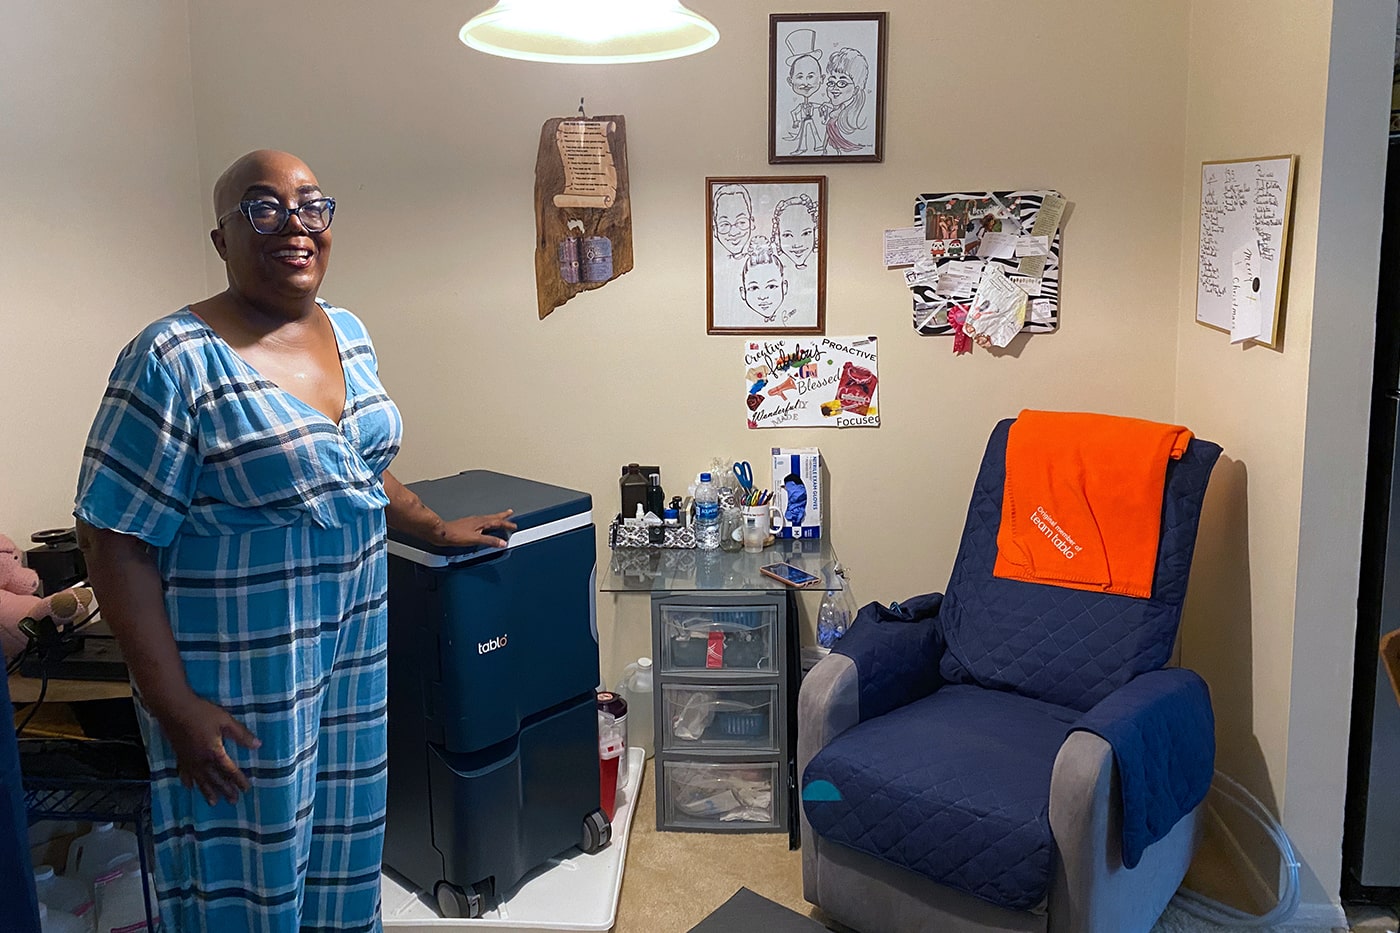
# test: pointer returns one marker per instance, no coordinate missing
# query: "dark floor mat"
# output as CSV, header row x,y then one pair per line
x,y
747,912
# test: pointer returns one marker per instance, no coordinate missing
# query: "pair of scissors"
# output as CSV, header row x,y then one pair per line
x,y
744,473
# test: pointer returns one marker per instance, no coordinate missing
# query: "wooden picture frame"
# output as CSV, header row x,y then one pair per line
x,y
826,87
1246,213
765,255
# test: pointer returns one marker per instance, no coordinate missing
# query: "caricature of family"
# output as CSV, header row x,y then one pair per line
x,y
767,280
838,124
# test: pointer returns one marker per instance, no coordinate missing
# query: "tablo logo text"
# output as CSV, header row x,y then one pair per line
x,y
484,647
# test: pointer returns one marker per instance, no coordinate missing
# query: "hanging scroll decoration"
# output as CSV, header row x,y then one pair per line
x,y
583,212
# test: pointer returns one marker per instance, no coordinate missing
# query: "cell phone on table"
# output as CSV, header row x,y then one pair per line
x,y
787,573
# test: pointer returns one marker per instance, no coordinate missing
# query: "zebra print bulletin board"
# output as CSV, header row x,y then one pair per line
x,y
956,222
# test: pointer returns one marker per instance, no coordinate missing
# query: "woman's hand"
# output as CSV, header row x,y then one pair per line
x,y
197,730
465,532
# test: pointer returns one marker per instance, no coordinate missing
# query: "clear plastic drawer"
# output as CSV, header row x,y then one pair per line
x,y
718,638
696,716
716,796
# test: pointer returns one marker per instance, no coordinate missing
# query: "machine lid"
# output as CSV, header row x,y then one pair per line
x,y
541,511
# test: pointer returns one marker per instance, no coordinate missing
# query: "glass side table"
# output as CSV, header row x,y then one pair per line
x,y
688,570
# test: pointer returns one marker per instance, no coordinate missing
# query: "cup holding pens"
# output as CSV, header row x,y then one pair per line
x,y
760,521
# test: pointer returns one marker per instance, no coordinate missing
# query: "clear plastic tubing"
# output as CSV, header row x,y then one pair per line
x,y
1208,909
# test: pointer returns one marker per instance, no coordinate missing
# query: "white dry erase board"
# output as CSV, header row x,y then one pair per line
x,y
1245,209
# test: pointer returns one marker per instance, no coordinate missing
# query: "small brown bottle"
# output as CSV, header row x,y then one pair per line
x,y
634,490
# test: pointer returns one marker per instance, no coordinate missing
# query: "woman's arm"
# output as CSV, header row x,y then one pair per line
x,y
406,512
127,582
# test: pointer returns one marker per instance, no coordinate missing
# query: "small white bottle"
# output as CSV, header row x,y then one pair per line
x,y
636,689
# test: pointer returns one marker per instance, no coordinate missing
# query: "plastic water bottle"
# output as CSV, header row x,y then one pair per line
x,y
636,689
64,895
58,921
827,620
834,615
98,851
706,514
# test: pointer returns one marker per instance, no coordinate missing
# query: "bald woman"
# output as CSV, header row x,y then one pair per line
x,y
232,507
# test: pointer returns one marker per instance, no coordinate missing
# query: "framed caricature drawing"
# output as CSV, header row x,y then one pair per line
x,y
765,252
826,87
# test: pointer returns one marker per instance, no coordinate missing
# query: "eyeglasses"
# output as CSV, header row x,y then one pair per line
x,y
269,217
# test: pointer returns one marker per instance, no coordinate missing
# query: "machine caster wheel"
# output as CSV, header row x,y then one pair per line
x,y
597,832
453,902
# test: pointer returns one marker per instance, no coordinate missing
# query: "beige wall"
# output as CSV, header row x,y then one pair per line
x,y
1271,616
1251,400
431,147
100,231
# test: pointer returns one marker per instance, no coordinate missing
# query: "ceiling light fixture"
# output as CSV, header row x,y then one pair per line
x,y
589,32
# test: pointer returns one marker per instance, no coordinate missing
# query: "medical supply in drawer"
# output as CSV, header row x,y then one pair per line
x,y
717,638
711,795
722,717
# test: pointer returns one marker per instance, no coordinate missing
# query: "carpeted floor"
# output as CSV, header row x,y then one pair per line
x,y
673,880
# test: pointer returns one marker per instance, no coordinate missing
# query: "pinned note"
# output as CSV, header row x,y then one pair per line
x,y
998,309
904,246
959,279
1047,221
996,246
1031,245
1246,319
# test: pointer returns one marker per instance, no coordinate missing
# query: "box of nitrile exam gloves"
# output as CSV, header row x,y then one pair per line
x,y
797,491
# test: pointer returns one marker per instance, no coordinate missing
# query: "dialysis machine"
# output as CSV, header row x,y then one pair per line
x,y
493,666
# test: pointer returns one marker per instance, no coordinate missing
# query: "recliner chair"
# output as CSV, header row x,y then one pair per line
x,y
955,756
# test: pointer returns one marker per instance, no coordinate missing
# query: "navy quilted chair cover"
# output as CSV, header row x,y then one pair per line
x,y
956,785
1069,647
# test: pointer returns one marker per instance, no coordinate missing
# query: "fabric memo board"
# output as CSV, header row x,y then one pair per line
x,y
1245,210
931,309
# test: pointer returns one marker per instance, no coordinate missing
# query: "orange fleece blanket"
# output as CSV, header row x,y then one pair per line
x,y
1082,505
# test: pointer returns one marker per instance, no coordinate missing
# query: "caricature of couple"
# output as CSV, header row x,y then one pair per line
x,y
825,127
773,276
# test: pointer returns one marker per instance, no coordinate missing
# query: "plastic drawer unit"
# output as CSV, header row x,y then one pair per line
x,y
493,664
723,691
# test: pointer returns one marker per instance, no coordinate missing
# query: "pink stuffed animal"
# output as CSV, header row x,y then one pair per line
x,y
17,599
18,602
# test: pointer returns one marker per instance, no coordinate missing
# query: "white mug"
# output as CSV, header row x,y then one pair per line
x,y
760,521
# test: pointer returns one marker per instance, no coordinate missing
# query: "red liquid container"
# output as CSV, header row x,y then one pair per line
x,y
612,746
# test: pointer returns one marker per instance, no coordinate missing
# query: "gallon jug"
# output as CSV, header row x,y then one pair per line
x,y
96,852
63,895
56,921
121,899
636,690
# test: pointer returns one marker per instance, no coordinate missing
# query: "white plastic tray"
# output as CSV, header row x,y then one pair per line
x,y
573,892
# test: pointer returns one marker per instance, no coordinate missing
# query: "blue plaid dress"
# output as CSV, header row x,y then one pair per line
x,y
267,520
